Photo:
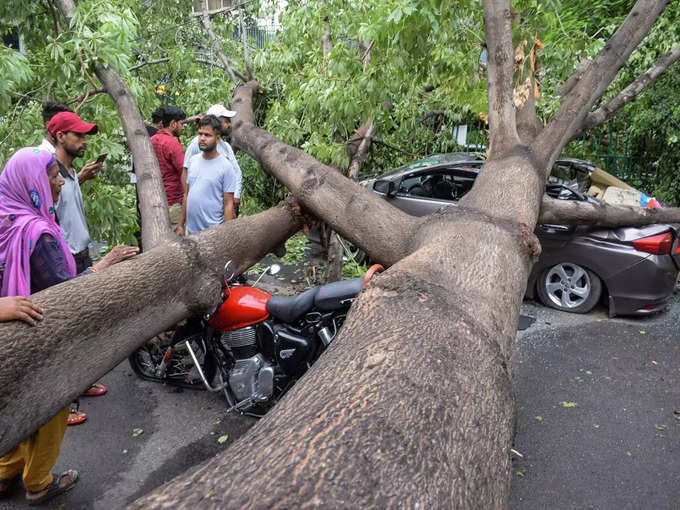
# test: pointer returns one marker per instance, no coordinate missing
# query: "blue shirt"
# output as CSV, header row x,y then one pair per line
x,y
208,180
223,148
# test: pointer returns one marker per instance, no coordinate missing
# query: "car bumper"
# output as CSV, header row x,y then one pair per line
x,y
653,280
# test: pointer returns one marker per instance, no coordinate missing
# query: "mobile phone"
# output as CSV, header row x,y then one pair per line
x,y
101,158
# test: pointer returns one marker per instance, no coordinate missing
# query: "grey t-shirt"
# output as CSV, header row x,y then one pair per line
x,y
71,213
208,180
223,148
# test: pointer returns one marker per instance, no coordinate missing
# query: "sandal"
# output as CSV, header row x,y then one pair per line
x,y
75,416
7,485
95,390
53,489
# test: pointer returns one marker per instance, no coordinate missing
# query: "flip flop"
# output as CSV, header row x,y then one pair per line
x,y
76,417
95,390
54,489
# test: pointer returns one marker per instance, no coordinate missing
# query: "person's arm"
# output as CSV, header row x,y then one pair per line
x,y
228,189
20,308
228,206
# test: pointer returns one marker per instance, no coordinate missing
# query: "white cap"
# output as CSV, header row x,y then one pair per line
x,y
218,110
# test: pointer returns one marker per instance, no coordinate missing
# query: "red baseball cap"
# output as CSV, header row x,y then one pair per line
x,y
69,121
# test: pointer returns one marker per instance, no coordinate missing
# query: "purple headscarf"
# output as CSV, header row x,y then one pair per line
x,y
26,213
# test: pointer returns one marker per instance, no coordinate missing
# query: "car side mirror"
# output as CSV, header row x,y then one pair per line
x,y
386,187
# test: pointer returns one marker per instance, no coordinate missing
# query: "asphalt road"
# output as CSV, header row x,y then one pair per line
x,y
615,446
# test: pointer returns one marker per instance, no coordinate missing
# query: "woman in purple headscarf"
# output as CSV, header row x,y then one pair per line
x,y
33,256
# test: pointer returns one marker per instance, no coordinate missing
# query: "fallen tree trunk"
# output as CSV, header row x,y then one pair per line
x,y
116,311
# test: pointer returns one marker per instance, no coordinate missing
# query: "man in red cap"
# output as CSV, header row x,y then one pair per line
x,y
69,133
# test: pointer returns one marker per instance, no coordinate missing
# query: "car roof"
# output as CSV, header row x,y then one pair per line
x,y
473,158
434,160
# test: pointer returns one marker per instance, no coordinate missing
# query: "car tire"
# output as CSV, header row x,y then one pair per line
x,y
569,287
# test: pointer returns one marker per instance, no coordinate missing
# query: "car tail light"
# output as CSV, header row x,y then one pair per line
x,y
677,250
659,244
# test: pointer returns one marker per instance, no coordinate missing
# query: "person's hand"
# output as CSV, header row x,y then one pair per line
x,y
20,308
180,230
89,171
117,254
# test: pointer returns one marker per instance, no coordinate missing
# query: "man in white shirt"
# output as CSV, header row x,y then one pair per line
x,y
223,148
211,182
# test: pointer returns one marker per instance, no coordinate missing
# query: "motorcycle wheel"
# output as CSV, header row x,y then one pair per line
x,y
180,370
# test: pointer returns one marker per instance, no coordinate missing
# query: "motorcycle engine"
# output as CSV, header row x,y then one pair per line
x,y
251,377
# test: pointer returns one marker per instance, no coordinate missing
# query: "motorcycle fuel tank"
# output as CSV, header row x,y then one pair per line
x,y
242,307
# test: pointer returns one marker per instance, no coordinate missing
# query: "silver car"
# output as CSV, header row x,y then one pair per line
x,y
632,270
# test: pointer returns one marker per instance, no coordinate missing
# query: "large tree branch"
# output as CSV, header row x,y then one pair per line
x,y
596,77
502,127
571,212
205,20
244,40
381,230
142,297
628,94
360,156
153,204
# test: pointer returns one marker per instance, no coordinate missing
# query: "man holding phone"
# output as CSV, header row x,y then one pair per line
x,y
70,132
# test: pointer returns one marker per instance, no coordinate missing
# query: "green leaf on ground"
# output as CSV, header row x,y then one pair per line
x,y
223,439
520,474
569,404
137,432
539,419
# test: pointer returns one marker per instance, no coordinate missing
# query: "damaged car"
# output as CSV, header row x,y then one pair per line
x,y
632,270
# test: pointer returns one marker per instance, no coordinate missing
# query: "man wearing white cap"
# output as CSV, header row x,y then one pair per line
x,y
223,148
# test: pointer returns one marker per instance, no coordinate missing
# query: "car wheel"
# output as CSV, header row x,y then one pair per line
x,y
569,287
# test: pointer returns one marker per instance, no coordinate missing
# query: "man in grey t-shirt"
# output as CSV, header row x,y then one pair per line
x,y
211,182
223,148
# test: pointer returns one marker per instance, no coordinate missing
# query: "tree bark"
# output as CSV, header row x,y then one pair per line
x,y
151,192
244,40
596,77
214,41
116,311
628,94
569,212
500,69
358,215
360,156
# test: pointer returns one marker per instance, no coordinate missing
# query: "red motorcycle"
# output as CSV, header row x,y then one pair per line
x,y
254,346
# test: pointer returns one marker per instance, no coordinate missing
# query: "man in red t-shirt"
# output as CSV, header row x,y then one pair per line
x,y
170,155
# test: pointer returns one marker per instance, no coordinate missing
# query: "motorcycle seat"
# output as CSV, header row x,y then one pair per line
x,y
290,308
337,295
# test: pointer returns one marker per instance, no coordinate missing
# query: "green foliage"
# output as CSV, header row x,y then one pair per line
x,y
296,249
